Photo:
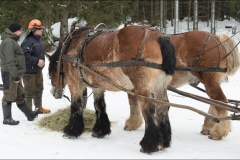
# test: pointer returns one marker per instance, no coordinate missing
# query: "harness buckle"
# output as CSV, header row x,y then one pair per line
x,y
75,61
92,32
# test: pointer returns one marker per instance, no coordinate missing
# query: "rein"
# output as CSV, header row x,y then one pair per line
x,y
212,102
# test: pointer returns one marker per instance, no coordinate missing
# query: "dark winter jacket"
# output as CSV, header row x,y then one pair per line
x,y
33,50
12,57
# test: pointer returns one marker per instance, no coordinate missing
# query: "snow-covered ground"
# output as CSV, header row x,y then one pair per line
x,y
28,141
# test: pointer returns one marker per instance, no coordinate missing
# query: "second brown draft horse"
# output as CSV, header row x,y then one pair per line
x,y
130,44
205,57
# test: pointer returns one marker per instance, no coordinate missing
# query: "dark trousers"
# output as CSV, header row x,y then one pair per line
x,y
33,87
12,92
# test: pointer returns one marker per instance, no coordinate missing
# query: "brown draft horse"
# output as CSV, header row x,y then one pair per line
x,y
200,49
119,46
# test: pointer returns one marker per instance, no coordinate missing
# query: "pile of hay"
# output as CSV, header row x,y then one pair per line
x,y
57,121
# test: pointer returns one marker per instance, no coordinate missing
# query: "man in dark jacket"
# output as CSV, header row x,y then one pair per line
x,y
35,60
12,68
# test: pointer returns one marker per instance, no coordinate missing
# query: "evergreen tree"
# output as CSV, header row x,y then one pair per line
x,y
234,7
112,13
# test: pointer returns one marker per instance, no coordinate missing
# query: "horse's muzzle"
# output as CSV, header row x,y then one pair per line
x,y
57,94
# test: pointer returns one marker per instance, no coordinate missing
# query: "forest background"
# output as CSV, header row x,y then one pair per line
x,y
112,13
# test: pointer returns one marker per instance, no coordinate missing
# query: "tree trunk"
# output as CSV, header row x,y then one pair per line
x,y
208,14
161,15
137,11
176,16
63,26
195,18
151,11
165,16
213,29
189,13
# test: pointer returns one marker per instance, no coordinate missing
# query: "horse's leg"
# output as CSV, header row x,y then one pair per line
x,y
215,130
135,119
157,125
102,125
85,98
75,125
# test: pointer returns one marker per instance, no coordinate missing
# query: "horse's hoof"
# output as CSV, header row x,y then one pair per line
x,y
97,136
66,136
159,147
205,132
131,125
141,150
127,128
214,137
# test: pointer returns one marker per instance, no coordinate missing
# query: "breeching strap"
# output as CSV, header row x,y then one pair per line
x,y
142,45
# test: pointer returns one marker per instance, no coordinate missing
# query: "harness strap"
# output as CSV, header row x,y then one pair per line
x,y
202,51
113,64
88,38
75,62
60,59
230,51
81,51
142,45
219,55
201,69
82,71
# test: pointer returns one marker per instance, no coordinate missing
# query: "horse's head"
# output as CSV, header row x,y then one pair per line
x,y
58,84
57,77
55,68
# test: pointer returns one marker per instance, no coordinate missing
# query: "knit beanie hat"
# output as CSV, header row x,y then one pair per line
x,y
14,27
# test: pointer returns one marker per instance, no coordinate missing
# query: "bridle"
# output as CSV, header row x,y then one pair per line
x,y
60,73
60,80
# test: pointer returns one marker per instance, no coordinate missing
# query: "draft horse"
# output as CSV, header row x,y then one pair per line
x,y
90,47
200,57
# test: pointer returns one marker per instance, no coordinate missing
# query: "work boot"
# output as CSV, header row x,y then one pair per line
x,y
38,104
29,102
10,121
30,107
7,115
31,115
44,111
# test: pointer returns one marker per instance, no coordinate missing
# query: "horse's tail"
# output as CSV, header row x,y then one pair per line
x,y
168,53
233,59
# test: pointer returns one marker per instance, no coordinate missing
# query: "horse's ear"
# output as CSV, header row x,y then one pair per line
x,y
47,55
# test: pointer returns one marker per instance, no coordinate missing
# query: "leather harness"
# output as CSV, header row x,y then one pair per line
x,y
79,60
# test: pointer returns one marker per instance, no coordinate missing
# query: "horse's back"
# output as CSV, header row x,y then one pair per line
x,y
199,49
102,48
132,38
125,45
